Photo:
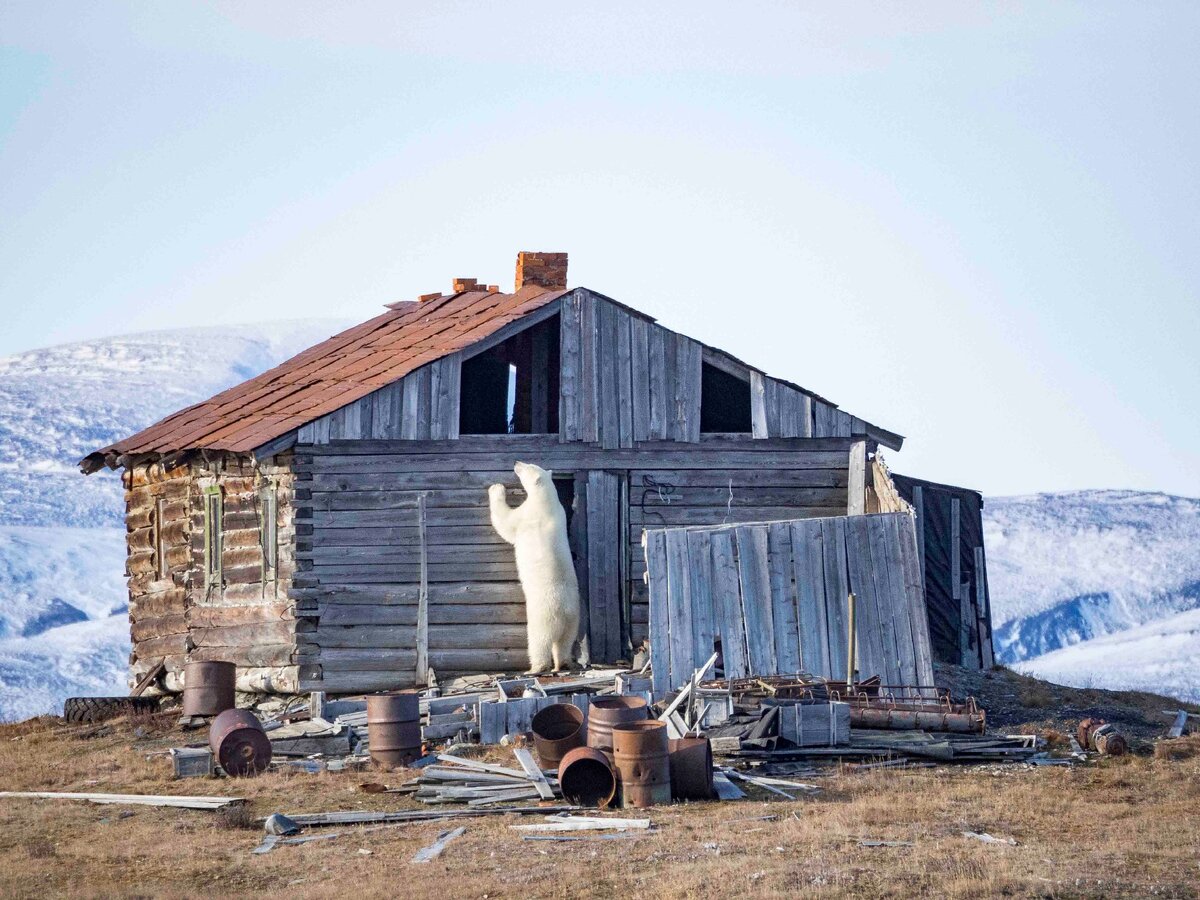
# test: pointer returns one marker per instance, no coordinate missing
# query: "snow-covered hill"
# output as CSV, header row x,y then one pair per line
x,y
63,628
1082,583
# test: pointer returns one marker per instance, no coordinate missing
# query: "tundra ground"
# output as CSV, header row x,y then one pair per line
x,y
1115,827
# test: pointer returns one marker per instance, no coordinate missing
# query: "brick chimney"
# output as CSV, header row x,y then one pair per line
x,y
548,270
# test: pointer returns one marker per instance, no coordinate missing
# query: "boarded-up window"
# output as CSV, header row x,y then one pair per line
x,y
160,545
724,402
214,509
267,528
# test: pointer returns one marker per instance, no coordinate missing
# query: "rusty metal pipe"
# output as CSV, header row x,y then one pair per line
x,y
907,719
394,728
239,743
557,729
587,777
643,763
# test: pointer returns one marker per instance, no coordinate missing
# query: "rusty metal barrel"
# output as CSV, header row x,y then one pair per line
x,y
643,763
394,728
587,777
208,688
557,729
691,768
239,743
606,713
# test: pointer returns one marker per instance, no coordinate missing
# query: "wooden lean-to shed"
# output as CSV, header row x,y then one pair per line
x,y
325,524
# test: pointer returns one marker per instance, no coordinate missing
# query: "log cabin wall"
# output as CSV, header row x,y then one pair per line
x,y
359,540
188,601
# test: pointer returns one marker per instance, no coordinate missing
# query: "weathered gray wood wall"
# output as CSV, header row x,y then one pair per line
x,y
775,597
623,379
358,541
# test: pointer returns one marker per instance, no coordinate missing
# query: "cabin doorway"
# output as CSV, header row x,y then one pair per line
x,y
597,531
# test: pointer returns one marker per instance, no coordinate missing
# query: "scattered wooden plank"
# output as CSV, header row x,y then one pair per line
x,y
582,823
182,802
1176,729
434,850
534,771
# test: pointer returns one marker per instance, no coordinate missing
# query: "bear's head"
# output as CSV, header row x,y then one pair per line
x,y
534,479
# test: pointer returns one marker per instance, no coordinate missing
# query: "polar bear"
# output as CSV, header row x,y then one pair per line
x,y
537,529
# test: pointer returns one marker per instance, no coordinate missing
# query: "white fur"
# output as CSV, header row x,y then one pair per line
x,y
537,529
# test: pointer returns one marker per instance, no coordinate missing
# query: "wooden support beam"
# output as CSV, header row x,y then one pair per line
x,y
856,498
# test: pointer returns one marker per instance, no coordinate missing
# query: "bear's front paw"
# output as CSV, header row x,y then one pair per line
x,y
497,492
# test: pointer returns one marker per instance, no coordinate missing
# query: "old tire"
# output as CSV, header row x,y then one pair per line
x,y
97,709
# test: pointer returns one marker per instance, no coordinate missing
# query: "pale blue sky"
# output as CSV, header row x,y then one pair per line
x,y
973,224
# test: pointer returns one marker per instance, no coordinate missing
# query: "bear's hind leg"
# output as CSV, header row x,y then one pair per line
x,y
562,653
539,653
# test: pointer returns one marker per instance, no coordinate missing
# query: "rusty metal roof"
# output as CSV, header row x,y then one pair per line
x,y
331,374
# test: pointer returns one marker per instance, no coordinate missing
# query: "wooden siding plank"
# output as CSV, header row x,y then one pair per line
x,y
570,368
753,575
871,655
589,380
728,605
856,492
625,378
887,601
918,614
700,590
759,424
833,536
808,562
683,660
689,361
900,599
919,514
639,337
783,599
660,621
608,395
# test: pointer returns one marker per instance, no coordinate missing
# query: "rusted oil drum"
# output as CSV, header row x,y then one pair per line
x,y
394,728
557,729
1107,740
643,763
239,743
587,777
691,768
607,712
208,688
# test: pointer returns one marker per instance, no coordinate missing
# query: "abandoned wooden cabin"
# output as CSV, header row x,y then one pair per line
x,y
325,524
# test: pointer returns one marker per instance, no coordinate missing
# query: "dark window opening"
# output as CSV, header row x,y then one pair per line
x,y
724,401
512,388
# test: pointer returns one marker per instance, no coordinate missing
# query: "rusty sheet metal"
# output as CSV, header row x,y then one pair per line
x,y
331,374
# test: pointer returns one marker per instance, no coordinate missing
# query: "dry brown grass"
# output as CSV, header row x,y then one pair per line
x,y
1124,827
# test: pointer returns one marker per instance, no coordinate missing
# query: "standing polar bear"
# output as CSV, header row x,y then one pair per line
x,y
537,529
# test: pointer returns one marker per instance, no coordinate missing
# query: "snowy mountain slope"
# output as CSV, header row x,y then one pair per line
x,y
1159,657
1066,568
63,628
59,403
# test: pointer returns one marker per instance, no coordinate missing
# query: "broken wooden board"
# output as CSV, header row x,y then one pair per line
x,y
182,802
